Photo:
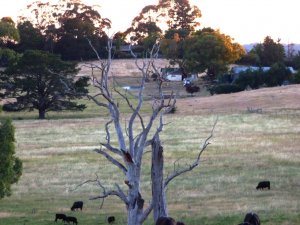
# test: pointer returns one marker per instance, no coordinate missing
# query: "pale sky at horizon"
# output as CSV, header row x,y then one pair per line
x,y
247,21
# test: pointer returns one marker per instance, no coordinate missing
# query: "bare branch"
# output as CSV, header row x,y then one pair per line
x,y
93,98
131,107
112,160
112,149
107,131
105,193
110,193
196,162
95,51
146,212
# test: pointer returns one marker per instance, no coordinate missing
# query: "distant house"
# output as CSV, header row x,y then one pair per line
x,y
172,74
124,51
176,74
236,70
128,48
292,69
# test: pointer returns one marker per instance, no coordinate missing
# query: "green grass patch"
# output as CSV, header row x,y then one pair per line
x,y
246,148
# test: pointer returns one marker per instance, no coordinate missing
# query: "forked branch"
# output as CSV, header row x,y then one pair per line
x,y
196,162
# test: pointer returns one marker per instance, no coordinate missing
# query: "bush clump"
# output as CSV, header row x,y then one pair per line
x,y
225,89
248,78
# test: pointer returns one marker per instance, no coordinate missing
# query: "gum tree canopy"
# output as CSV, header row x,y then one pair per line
x,y
65,25
210,50
166,15
42,81
8,31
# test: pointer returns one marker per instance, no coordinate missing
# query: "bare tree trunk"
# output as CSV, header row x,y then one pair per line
x,y
157,177
127,154
42,114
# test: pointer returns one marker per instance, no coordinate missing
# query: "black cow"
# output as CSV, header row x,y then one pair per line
x,y
111,219
180,223
263,184
60,216
71,219
245,223
77,205
252,219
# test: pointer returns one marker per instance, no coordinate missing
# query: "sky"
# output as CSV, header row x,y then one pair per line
x,y
247,21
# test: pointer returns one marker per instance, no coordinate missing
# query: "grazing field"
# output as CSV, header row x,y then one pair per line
x,y
249,146
246,149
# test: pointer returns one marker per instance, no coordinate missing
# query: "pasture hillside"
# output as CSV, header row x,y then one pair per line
x,y
123,67
247,148
257,138
261,100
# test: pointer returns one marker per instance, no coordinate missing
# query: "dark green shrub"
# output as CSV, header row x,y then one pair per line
x,y
7,57
225,89
297,77
253,79
277,75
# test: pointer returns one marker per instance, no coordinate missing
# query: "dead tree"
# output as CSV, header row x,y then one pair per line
x,y
132,142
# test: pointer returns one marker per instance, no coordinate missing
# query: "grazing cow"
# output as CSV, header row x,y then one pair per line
x,y
111,219
263,184
180,223
71,219
252,219
60,216
165,221
77,205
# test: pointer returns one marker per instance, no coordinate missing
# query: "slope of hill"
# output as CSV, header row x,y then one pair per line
x,y
122,67
265,99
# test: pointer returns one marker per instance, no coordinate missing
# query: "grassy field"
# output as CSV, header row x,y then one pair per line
x,y
247,148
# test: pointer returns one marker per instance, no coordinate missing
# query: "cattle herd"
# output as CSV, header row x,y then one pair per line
x,y
250,218
78,205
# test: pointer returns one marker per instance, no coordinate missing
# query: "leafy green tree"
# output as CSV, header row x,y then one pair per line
x,y
277,75
250,78
166,15
183,16
172,49
144,25
210,51
30,37
297,77
66,25
250,58
77,24
7,57
144,33
296,61
42,81
8,31
269,52
10,166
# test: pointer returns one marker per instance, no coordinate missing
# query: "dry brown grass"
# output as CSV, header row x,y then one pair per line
x,y
284,97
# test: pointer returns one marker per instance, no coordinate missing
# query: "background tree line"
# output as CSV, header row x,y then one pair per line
x,y
66,28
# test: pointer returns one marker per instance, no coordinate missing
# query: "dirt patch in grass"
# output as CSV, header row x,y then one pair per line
x,y
7,215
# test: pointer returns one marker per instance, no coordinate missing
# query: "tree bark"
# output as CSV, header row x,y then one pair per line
x,y
42,114
157,177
